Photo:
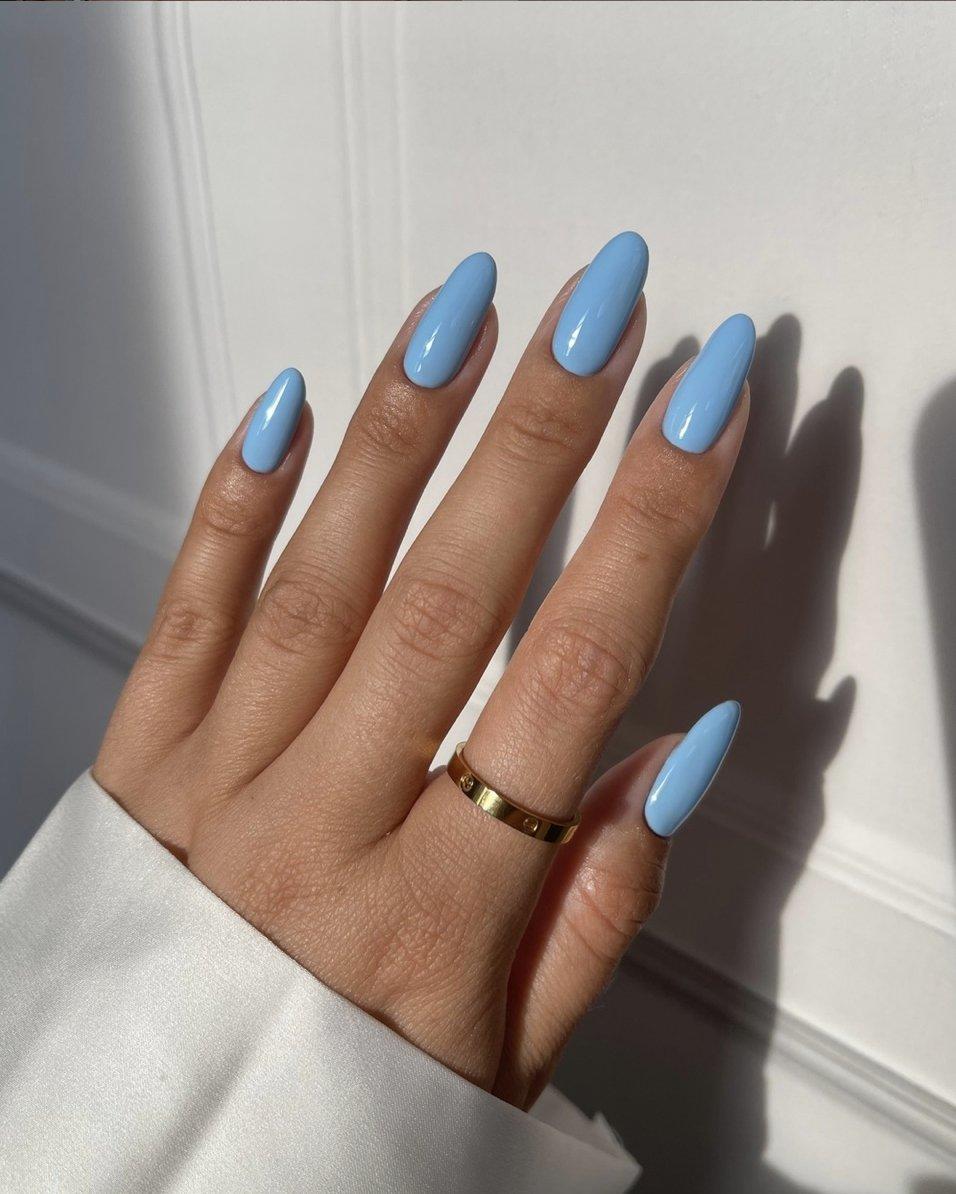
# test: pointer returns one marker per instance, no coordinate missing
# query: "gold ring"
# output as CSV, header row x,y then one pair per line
x,y
495,805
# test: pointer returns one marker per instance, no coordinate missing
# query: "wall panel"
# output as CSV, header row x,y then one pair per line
x,y
201,195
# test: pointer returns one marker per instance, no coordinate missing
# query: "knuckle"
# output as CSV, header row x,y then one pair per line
x,y
659,511
534,430
228,510
577,673
436,618
184,626
301,612
391,423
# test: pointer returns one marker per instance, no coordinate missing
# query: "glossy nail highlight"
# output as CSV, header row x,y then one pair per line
x,y
690,769
596,314
707,393
448,328
273,425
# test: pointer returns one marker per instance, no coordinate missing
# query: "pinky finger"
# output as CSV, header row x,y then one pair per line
x,y
600,893
214,581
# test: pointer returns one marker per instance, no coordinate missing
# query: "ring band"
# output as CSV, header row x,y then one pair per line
x,y
497,806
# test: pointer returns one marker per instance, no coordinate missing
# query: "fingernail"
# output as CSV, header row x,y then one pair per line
x,y
690,769
447,330
707,393
274,422
596,314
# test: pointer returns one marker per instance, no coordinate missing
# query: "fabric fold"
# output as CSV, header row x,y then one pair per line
x,y
151,1039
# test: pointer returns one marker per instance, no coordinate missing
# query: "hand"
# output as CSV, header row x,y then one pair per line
x,y
280,743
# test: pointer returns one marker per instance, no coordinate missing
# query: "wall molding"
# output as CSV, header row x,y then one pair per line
x,y
70,494
174,60
99,553
81,627
87,526
874,1089
841,864
373,129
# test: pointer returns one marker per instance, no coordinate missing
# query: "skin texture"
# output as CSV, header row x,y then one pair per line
x,y
279,742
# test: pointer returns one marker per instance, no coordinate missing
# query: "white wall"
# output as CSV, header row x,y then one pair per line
x,y
194,197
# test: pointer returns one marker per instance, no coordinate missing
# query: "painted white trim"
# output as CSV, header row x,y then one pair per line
x,y
80,626
873,878
876,1089
89,547
348,95
173,47
85,498
373,115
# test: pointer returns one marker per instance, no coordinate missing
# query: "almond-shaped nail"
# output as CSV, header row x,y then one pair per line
x,y
690,768
450,323
273,425
707,393
599,307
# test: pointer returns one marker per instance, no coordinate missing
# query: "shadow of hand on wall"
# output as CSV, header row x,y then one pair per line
x,y
933,461
557,549
756,620
935,466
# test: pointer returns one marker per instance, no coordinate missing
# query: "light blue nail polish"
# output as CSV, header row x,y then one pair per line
x,y
690,769
596,314
273,425
707,393
448,328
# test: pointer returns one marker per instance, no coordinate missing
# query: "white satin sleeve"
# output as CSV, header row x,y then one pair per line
x,y
151,1039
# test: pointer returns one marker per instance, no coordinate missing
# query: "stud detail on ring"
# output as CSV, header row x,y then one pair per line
x,y
502,809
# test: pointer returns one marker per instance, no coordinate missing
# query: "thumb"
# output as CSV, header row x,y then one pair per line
x,y
600,892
